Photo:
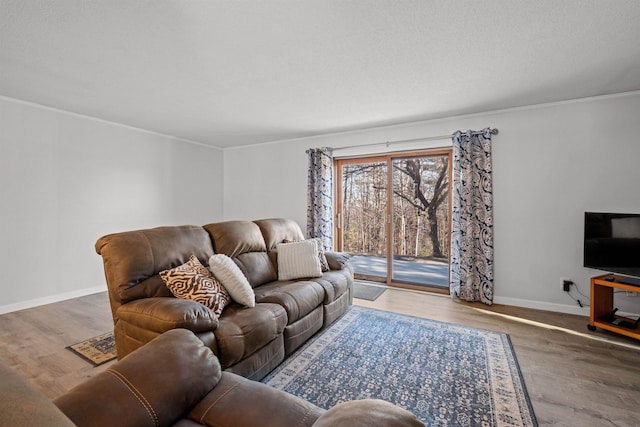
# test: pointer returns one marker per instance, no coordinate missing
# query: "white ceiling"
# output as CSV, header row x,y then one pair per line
x,y
235,72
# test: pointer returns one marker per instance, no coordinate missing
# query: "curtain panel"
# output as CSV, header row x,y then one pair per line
x,y
320,196
471,274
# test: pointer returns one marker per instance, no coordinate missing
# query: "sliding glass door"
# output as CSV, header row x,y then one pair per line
x,y
394,217
363,228
420,227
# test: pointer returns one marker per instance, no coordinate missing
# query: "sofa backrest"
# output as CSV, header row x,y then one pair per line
x,y
279,230
133,259
242,241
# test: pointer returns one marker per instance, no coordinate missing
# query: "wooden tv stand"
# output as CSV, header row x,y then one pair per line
x,y
602,305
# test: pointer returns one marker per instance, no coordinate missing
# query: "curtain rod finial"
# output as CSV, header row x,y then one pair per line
x,y
494,131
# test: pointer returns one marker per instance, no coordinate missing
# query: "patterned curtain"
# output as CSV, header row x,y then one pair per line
x,y
472,217
320,196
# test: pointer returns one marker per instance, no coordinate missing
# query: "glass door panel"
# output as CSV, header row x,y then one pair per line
x,y
420,220
363,217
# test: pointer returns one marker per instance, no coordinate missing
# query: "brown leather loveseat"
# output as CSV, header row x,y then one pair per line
x,y
176,380
249,341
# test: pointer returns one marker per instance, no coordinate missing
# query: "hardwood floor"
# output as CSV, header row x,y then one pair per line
x,y
33,341
574,377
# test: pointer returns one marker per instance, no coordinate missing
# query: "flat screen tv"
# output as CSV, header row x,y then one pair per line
x,y
612,243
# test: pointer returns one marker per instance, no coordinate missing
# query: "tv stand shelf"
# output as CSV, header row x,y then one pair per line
x,y
602,309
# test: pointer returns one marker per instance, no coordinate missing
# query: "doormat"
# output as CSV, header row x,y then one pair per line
x,y
365,291
97,350
446,374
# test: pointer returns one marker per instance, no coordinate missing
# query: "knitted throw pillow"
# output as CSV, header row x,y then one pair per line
x,y
298,260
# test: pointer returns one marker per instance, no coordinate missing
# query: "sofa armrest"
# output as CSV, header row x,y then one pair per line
x,y
237,401
154,385
337,260
161,314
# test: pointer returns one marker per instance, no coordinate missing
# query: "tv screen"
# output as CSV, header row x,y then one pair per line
x,y
612,242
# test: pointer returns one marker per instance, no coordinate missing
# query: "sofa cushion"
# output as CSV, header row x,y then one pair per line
x,y
134,256
154,286
237,401
229,274
298,260
257,267
298,298
163,314
233,238
243,331
193,281
242,241
335,284
337,260
278,230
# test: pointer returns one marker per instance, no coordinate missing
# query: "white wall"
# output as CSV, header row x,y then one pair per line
x,y
551,163
66,180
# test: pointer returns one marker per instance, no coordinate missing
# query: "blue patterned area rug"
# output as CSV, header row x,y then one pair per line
x,y
446,374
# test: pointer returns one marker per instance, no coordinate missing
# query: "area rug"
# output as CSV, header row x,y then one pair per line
x,y
446,374
368,292
97,350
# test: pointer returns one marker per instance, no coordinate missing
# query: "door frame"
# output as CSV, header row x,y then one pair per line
x,y
388,158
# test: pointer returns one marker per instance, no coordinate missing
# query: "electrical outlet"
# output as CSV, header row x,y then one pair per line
x,y
565,284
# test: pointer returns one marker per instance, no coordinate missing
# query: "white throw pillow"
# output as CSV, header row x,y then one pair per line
x,y
298,260
229,274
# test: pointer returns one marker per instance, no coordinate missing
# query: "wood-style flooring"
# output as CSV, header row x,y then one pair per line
x,y
33,341
574,377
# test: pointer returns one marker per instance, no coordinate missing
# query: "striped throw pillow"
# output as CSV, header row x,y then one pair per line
x,y
298,260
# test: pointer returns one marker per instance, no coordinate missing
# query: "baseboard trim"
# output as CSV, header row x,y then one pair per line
x,y
517,302
541,305
22,305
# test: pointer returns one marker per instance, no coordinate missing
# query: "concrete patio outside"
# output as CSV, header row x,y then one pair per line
x,y
412,270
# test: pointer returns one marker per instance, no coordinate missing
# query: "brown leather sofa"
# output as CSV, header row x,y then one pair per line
x,y
248,341
176,380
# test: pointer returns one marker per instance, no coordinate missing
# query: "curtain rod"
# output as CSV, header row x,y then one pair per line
x,y
494,131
